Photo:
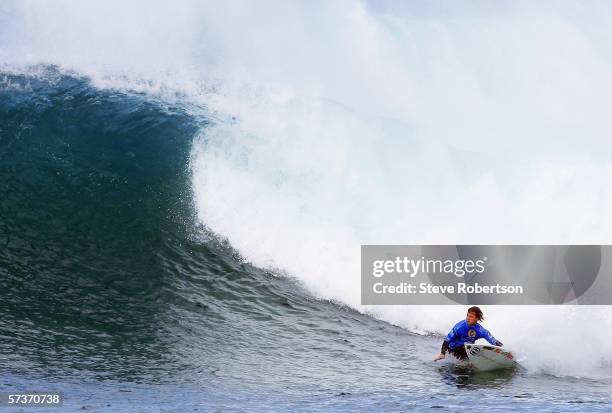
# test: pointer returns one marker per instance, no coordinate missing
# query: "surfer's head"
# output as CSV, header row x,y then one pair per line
x,y
474,315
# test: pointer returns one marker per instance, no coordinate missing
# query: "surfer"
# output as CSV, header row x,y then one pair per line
x,y
466,331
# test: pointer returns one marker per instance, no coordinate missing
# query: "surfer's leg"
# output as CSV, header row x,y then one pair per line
x,y
459,352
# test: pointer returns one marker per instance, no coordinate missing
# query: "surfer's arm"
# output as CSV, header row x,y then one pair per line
x,y
453,334
442,351
484,333
446,344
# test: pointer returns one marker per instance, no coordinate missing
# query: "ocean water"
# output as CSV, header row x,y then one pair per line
x,y
184,190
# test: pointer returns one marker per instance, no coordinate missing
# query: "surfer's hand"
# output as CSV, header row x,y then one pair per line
x,y
498,343
440,357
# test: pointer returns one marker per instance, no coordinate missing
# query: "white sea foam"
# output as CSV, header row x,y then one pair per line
x,y
342,123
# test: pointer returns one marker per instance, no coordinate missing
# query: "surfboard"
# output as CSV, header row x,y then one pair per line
x,y
485,357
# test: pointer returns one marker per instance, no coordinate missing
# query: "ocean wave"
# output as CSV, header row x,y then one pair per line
x,y
356,126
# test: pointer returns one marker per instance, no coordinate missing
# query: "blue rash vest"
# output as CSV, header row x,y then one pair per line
x,y
462,333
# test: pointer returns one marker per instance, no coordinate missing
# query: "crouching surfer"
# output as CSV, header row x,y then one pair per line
x,y
466,331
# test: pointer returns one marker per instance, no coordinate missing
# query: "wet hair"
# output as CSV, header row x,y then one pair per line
x,y
476,311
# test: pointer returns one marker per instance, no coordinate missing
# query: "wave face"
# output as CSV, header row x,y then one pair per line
x,y
93,191
294,140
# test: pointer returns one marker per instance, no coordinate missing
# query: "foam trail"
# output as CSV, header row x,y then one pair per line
x,y
346,123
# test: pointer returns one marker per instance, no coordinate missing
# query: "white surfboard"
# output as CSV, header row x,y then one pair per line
x,y
485,357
